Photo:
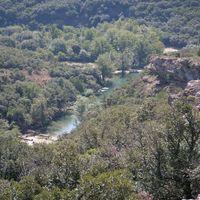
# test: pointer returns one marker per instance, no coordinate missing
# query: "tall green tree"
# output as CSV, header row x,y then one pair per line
x,y
183,136
105,64
124,61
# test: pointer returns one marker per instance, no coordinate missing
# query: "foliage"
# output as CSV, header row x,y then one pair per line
x,y
179,20
38,85
105,66
109,185
125,148
76,44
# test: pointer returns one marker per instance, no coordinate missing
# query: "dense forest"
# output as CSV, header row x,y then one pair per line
x,y
39,83
179,19
130,148
138,141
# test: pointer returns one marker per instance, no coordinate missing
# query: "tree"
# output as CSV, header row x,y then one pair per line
x,y
198,52
29,44
44,195
171,147
39,113
58,45
183,136
26,189
114,185
65,173
5,190
76,49
124,60
13,154
100,46
142,53
105,66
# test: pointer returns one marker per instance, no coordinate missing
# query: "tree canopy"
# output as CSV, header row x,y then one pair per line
x,y
179,20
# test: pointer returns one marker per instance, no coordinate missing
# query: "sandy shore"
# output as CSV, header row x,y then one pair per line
x,y
169,50
118,72
38,139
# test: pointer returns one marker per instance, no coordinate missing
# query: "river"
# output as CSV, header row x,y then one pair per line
x,y
66,124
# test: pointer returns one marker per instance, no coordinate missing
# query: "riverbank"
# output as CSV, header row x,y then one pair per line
x,y
119,72
38,139
69,122
170,50
57,128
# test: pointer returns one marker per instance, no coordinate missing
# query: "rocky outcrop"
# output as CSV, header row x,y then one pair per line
x,y
174,70
147,85
193,90
178,76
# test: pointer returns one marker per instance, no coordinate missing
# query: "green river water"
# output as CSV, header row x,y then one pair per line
x,y
66,124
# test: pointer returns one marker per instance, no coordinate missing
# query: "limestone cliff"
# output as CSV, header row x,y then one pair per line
x,y
178,76
174,70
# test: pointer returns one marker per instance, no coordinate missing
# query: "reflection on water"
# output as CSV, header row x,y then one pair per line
x,y
64,125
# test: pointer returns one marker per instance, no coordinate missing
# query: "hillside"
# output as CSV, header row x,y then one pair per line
x,y
130,147
99,99
179,20
40,71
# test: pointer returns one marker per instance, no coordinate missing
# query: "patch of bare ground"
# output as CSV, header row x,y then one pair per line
x,y
40,77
